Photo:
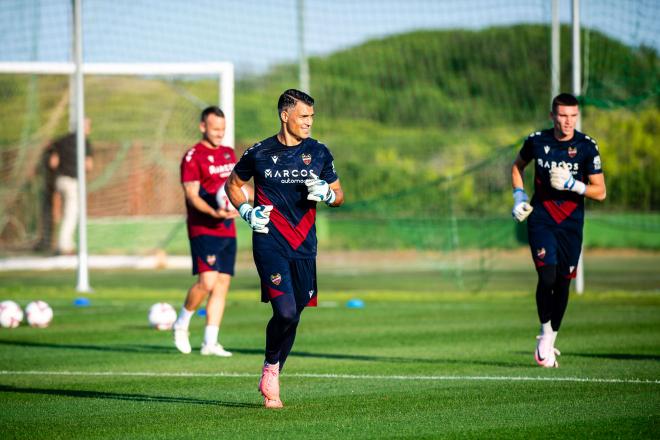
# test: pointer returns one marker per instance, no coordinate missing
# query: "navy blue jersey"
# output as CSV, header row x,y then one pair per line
x,y
582,157
279,174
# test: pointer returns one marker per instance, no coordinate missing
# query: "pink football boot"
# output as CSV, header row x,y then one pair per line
x,y
269,385
268,403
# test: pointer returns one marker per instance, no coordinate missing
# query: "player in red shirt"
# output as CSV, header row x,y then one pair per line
x,y
211,231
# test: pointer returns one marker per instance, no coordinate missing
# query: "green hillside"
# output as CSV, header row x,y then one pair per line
x,y
463,78
472,78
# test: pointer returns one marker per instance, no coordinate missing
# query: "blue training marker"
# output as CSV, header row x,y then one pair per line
x,y
355,303
201,312
81,302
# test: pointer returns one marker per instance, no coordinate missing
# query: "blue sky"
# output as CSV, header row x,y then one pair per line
x,y
255,34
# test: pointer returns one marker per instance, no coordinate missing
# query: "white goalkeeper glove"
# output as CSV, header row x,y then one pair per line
x,y
562,179
319,190
521,209
257,217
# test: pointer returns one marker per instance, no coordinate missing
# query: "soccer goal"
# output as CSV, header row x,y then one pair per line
x,y
144,117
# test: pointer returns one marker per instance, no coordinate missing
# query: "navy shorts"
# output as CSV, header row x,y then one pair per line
x,y
558,245
210,253
283,276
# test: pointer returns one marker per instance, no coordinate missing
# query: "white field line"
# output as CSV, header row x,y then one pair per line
x,y
69,262
336,376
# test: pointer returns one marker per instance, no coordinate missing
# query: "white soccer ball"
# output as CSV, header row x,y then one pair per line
x,y
39,314
11,314
162,316
223,200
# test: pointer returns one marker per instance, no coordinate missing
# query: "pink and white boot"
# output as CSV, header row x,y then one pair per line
x,y
269,385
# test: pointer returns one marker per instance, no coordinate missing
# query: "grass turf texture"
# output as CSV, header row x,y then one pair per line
x,y
408,335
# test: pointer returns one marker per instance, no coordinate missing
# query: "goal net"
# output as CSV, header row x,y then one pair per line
x,y
144,117
424,105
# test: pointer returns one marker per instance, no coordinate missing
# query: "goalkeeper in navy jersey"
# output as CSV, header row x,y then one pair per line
x,y
567,169
292,173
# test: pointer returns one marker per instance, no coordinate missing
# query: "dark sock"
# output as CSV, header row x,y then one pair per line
x,y
559,300
287,343
281,325
547,276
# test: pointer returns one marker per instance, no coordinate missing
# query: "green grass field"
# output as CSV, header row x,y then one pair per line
x,y
418,361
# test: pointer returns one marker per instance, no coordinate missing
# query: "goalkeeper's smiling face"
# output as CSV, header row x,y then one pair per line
x,y
298,121
213,130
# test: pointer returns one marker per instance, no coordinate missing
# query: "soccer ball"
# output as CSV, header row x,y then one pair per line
x,y
39,314
11,314
223,200
162,316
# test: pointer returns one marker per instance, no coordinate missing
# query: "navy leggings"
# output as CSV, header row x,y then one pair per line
x,y
551,295
281,329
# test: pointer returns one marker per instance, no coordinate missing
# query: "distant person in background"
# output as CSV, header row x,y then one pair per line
x,y
63,160
291,172
46,219
211,231
567,169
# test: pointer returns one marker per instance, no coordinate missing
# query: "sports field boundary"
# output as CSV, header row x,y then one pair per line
x,y
70,262
332,376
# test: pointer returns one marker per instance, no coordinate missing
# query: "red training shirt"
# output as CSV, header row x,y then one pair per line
x,y
211,167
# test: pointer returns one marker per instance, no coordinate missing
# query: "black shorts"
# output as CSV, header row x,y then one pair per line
x,y
283,276
210,253
555,245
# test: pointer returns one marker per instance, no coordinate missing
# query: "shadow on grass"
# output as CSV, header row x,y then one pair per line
x,y
394,359
159,349
619,356
109,348
124,396
614,356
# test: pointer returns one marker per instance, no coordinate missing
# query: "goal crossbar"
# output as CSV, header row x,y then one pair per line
x,y
223,70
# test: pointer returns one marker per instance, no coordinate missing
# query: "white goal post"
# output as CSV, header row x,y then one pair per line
x,y
224,71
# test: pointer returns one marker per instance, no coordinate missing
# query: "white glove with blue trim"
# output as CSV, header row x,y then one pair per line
x,y
521,209
257,217
319,190
562,179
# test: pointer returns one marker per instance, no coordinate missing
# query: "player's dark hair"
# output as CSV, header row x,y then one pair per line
x,y
290,97
564,99
214,109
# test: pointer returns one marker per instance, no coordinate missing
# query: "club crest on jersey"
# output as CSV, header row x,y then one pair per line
x,y
210,260
546,149
306,158
276,279
211,159
274,158
227,156
572,152
540,253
